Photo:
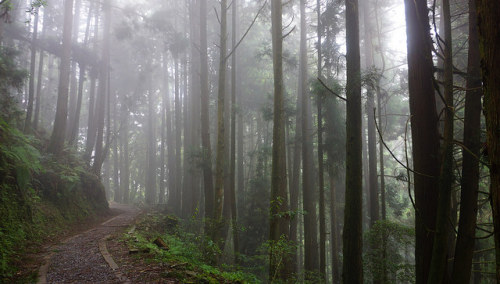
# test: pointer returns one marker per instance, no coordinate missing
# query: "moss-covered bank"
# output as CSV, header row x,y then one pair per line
x,y
40,195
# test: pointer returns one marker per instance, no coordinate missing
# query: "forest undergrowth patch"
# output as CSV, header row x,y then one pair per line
x,y
160,240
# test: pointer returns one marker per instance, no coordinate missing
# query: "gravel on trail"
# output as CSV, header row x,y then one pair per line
x,y
79,260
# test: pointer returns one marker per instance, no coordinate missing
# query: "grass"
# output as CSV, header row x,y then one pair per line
x,y
187,254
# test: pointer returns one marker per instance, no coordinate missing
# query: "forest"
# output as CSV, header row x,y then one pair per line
x,y
249,141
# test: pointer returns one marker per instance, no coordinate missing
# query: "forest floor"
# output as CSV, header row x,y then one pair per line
x,y
84,257
125,249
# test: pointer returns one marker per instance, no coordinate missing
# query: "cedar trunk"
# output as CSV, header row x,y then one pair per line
x,y
424,131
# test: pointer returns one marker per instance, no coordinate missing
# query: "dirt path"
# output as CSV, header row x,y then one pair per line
x,y
83,258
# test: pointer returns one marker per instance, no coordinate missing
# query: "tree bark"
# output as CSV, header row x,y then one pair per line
x,y
58,133
205,122
100,154
31,82
311,250
321,180
464,246
220,160
489,36
439,261
352,266
234,89
279,220
424,131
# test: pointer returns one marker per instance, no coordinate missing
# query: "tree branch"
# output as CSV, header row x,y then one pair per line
x,y
246,32
331,91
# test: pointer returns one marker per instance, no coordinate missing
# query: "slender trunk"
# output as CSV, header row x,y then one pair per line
x,y
232,187
125,167
370,93
295,184
335,249
187,181
381,153
308,185
321,180
352,235
38,100
171,174
464,247
57,139
205,123
439,262
91,122
73,91
118,196
163,114
178,134
31,83
102,90
220,160
150,194
73,138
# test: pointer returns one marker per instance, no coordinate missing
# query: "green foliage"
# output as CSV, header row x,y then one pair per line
x,y
334,127
391,246
186,252
11,79
27,179
279,251
18,158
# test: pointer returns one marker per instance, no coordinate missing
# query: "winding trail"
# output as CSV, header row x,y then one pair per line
x,y
83,258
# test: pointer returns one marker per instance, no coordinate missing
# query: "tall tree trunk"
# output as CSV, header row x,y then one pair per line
x,y
100,154
125,167
295,182
163,114
424,131
308,187
220,160
439,262
118,196
335,250
31,83
73,90
370,94
38,100
92,119
76,121
171,174
489,31
464,247
150,194
205,123
279,222
178,135
352,266
381,153
187,181
57,138
321,180
232,188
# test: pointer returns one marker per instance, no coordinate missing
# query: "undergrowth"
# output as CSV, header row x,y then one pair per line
x,y
40,195
187,254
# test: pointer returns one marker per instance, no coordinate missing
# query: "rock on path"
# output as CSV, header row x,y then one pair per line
x,y
79,260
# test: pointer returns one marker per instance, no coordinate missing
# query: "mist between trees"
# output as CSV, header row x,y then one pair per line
x,y
314,141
